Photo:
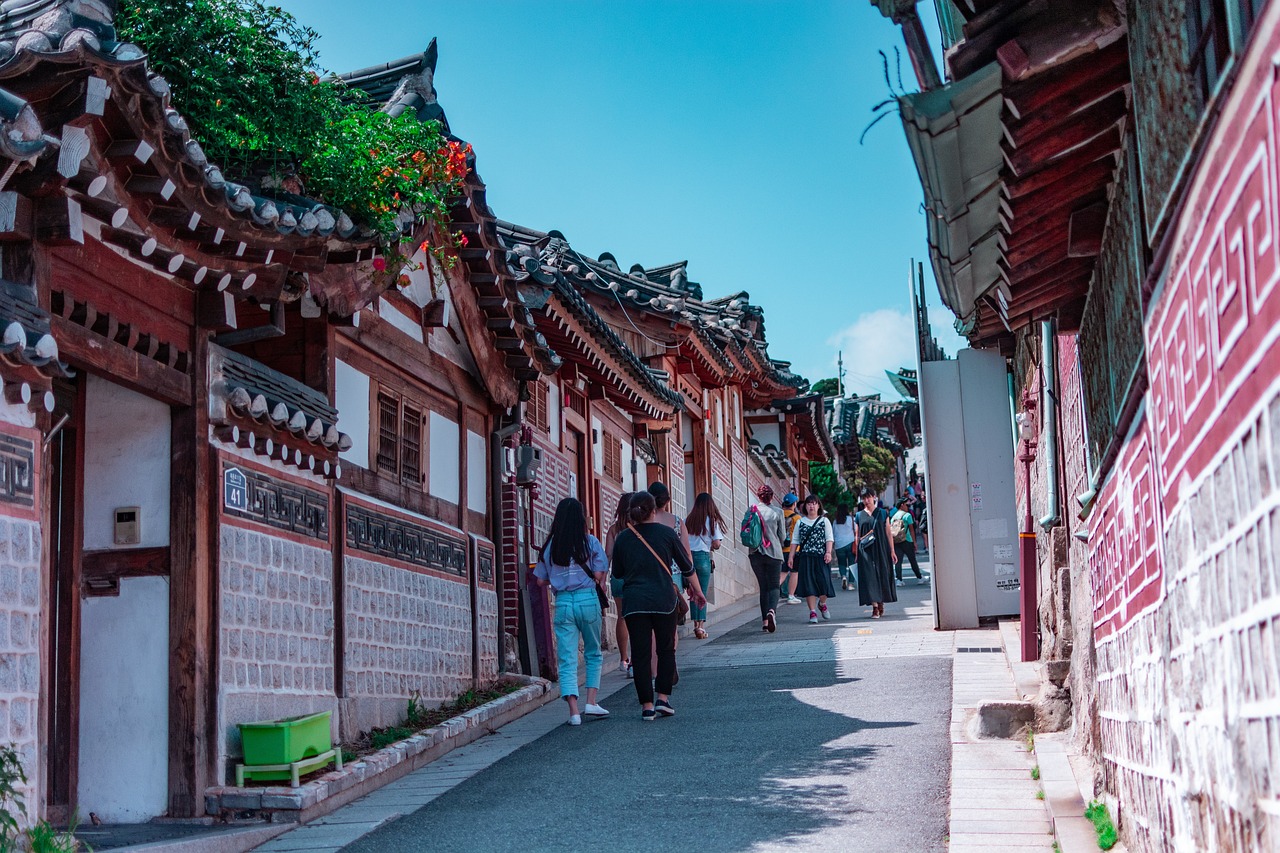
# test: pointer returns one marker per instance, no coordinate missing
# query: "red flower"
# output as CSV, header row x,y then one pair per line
x,y
463,239
379,264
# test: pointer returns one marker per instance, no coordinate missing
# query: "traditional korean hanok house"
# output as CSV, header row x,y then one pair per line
x,y
659,392
428,383
177,556
155,606
1121,161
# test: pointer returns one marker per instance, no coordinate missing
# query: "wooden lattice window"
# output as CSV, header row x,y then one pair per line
x,y
410,445
612,456
400,433
535,411
388,431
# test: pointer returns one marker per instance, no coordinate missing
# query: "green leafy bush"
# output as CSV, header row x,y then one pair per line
x,y
41,837
245,76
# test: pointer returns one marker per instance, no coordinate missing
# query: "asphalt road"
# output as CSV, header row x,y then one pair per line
x,y
806,754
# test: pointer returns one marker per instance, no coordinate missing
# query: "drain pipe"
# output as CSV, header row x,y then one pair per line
x,y
1049,435
497,466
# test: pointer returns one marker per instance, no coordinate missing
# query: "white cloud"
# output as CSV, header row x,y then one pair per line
x,y
875,342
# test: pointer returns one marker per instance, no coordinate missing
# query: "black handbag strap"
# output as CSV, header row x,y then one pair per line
x,y
808,533
640,536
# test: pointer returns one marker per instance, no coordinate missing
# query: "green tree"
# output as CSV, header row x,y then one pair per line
x,y
829,488
876,468
244,75
873,472
825,387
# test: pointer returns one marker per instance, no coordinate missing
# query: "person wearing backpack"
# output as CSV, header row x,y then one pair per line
x,y
763,534
790,515
902,527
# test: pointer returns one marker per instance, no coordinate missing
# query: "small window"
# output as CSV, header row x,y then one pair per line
x,y
400,433
535,411
1209,37
612,456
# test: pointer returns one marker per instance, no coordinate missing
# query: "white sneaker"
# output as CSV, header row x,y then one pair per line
x,y
594,711
575,719
623,666
898,583
791,599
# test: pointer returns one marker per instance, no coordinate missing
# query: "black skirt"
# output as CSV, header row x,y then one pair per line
x,y
813,576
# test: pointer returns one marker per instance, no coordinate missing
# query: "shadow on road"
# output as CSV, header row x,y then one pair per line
x,y
757,758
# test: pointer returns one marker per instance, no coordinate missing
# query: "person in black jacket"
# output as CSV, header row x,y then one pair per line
x,y
642,557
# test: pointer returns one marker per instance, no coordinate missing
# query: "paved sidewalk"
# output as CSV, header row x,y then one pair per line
x,y
815,736
993,795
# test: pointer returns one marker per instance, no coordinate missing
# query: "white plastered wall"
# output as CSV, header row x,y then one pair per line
x,y
124,658
351,393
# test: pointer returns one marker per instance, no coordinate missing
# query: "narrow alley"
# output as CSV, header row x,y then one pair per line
x,y
833,734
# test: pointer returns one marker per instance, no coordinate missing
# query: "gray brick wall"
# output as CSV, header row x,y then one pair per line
x,y
21,548
275,635
406,631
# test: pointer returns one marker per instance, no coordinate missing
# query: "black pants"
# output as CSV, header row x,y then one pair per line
x,y
644,628
768,573
908,550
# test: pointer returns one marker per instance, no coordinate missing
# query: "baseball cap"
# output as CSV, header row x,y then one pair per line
x,y
791,498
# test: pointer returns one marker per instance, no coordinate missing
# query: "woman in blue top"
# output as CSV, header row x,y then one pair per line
x,y
572,563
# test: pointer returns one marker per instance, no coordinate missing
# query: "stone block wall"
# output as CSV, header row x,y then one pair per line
x,y
22,547
275,633
1185,581
406,631
21,552
487,626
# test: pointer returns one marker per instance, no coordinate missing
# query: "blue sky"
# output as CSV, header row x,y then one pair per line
x,y
722,133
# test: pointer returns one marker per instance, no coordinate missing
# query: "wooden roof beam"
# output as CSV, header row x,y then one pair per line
x,y
1094,162
1054,118
1090,123
1110,65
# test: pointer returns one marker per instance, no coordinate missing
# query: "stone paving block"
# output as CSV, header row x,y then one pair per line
x,y
987,841
1020,826
1076,835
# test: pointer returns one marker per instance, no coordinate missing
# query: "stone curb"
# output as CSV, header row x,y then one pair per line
x,y
338,787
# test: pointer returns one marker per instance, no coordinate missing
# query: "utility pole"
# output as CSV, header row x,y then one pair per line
x,y
840,374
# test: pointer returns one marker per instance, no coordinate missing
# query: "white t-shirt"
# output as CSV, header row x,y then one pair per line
x,y
844,533
702,542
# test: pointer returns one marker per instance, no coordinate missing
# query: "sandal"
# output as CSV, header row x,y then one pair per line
x,y
700,634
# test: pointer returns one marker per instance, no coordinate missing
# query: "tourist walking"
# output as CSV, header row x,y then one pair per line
x,y
572,562
766,561
811,546
642,558
844,530
902,524
705,528
789,517
615,584
875,556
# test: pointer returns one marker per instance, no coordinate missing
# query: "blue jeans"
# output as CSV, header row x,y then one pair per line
x,y
578,614
701,565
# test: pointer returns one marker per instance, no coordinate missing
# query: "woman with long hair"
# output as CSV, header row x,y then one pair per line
x,y
844,533
619,524
705,526
642,557
875,556
810,558
573,564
